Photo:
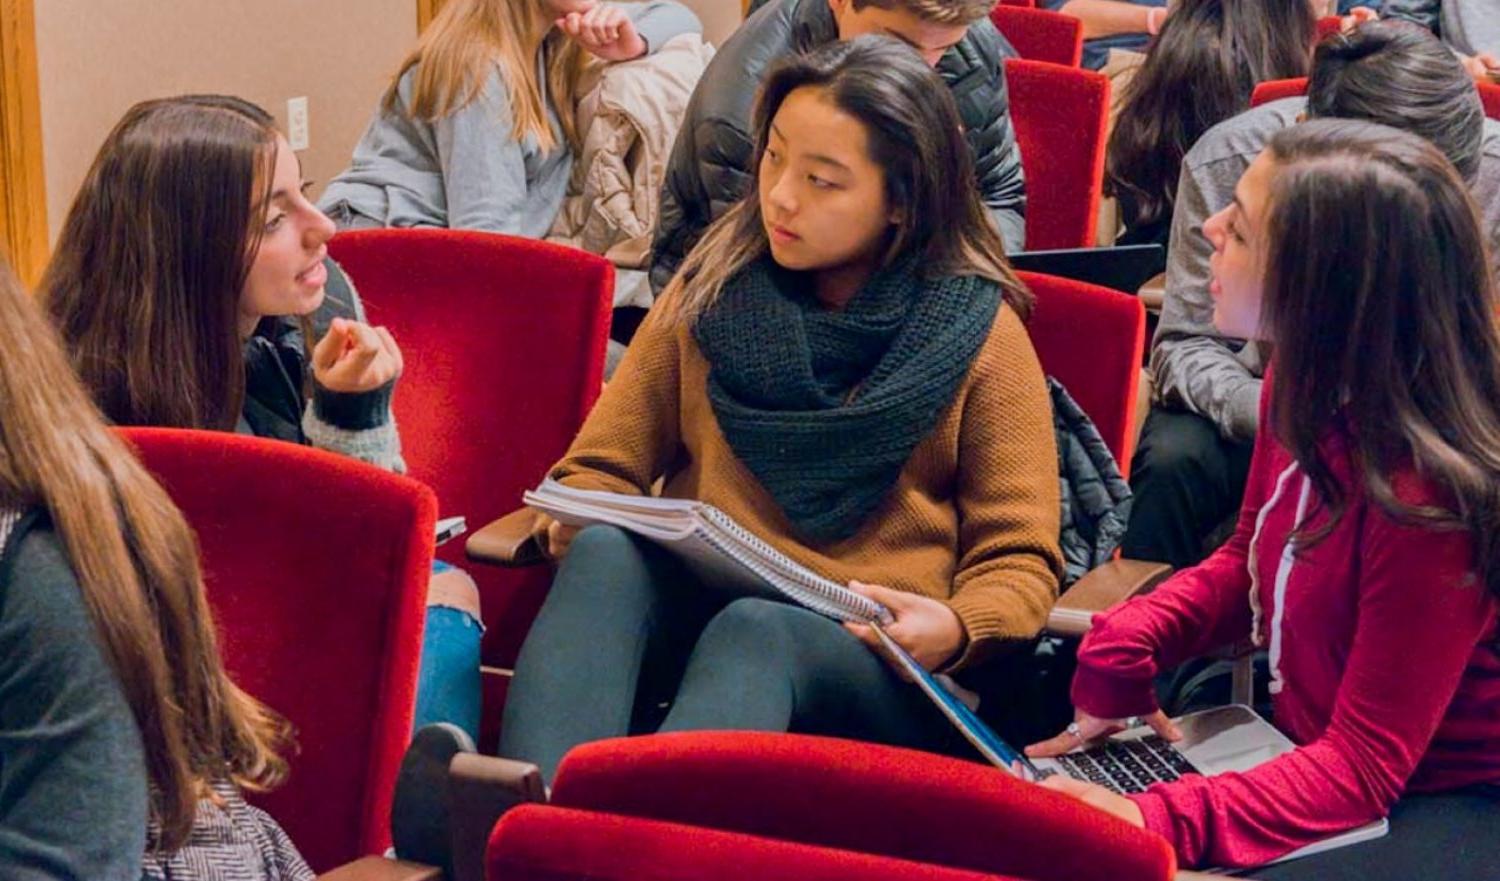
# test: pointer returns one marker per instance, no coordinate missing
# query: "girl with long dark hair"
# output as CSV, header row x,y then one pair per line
x,y
1198,72
1367,554
840,365
192,287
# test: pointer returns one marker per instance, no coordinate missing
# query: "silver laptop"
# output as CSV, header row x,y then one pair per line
x,y
1216,741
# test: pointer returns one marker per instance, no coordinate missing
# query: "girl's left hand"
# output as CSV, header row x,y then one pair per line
x,y
1097,796
605,31
929,631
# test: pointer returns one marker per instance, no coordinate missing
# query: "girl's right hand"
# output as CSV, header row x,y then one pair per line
x,y
553,537
354,357
1091,728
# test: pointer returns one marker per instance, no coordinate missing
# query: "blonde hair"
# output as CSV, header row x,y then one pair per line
x,y
136,562
463,44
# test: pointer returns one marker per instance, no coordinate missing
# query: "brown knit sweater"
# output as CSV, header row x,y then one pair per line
x,y
973,519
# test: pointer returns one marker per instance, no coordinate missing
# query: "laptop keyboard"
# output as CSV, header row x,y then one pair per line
x,y
1128,765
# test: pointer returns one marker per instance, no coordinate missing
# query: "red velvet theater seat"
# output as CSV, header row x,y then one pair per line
x,y
536,843
840,796
503,340
316,566
1275,90
1091,340
1060,116
1039,34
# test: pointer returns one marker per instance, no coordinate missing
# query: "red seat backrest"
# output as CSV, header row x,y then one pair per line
x,y
860,797
1275,90
316,567
1060,115
1091,340
1040,34
503,339
545,843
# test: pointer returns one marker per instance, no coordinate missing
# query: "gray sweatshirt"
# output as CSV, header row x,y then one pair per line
x,y
1193,366
73,801
467,170
1469,26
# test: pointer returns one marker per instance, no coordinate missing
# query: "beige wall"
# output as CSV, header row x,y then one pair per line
x,y
719,17
97,57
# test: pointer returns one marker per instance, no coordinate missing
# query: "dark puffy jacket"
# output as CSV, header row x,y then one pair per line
x,y
1095,497
710,162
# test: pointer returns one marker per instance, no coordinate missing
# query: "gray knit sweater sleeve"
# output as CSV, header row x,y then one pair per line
x,y
72,770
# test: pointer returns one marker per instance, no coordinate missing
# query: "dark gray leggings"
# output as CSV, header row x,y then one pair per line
x,y
629,642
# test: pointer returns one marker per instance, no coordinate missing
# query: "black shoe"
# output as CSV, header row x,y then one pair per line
x,y
419,812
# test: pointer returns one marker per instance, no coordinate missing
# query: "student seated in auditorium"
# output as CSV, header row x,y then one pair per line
x,y
1367,554
1469,27
713,160
1189,472
1200,71
123,742
840,366
1129,25
478,129
192,287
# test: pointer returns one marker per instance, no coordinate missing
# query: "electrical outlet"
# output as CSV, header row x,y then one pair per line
x,y
296,123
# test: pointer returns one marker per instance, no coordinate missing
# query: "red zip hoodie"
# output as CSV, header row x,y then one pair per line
x,y
1383,663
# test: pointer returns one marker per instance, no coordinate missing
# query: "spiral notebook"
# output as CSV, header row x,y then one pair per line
x,y
723,554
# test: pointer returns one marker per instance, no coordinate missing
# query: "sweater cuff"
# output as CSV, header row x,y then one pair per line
x,y
1107,696
353,411
985,628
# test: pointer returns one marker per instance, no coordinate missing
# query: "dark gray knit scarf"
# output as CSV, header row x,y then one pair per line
x,y
825,407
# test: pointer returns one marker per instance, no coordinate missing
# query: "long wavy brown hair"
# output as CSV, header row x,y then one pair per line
x,y
1380,303
136,562
465,43
145,281
1199,72
915,135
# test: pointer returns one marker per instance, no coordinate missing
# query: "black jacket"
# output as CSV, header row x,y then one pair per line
x,y
710,162
279,386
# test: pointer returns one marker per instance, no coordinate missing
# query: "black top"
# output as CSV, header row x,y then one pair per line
x,y
73,800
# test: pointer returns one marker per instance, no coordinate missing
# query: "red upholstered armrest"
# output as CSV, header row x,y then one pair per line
x,y
381,869
536,843
860,797
1102,589
508,541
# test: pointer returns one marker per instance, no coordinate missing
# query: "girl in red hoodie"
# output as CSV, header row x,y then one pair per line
x,y
1367,555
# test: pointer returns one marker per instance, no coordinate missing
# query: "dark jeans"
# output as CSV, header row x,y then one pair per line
x,y
1187,481
630,642
1451,836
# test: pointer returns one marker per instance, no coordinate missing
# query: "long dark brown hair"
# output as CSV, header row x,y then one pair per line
x,y
144,283
1199,71
915,136
1380,304
137,566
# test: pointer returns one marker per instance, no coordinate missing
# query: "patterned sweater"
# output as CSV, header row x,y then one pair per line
x,y
972,520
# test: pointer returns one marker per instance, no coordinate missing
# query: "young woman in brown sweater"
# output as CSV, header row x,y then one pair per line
x,y
841,367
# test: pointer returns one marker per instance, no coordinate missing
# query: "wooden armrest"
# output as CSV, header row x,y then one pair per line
x,y
509,541
382,869
1153,292
480,789
1101,589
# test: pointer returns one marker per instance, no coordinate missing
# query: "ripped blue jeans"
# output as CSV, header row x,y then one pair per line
x,y
448,687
